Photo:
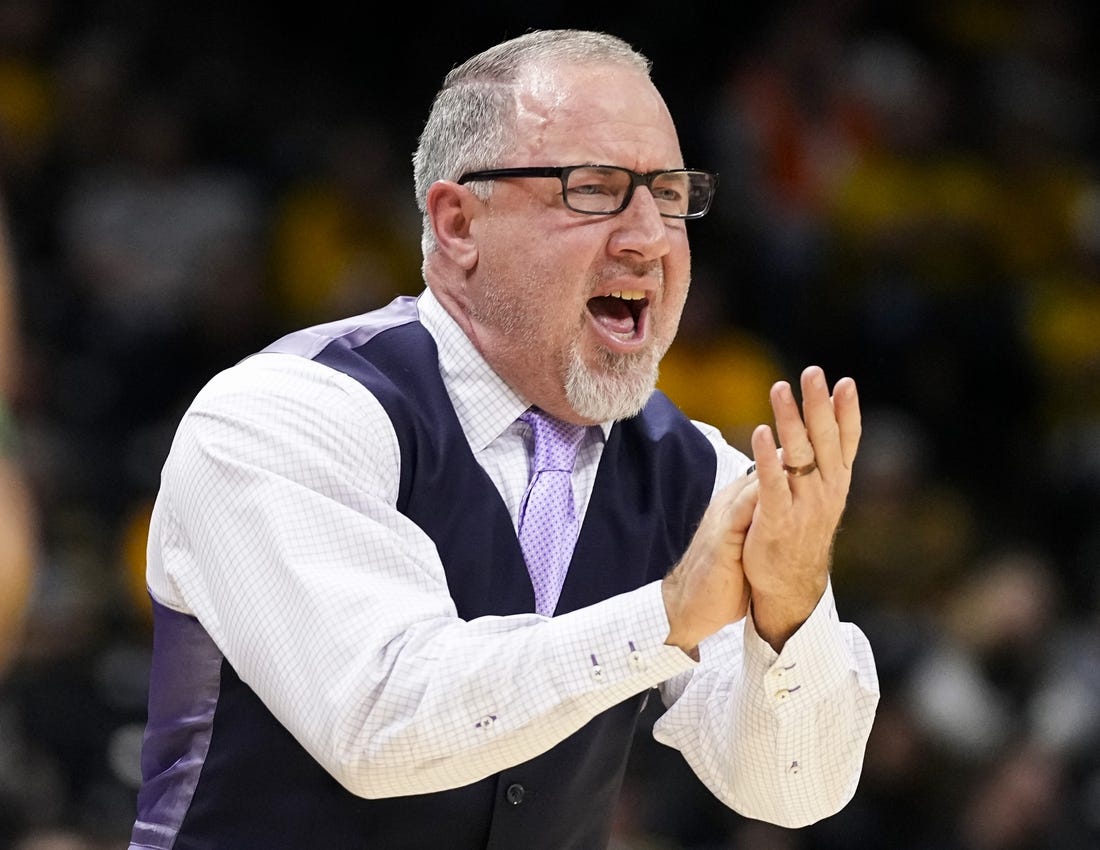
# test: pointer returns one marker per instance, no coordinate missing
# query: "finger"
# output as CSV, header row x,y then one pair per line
x,y
797,450
741,502
848,417
743,481
769,467
821,425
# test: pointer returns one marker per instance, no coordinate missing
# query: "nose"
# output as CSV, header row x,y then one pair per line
x,y
640,228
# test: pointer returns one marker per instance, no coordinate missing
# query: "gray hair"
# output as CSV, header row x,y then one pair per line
x,y
471,125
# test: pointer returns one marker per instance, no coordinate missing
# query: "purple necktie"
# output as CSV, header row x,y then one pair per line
x,y
547,523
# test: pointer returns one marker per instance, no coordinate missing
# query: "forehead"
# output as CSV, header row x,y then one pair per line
x,y
594,113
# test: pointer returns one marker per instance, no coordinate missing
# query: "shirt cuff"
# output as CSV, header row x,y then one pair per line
x,y
814,660
617,645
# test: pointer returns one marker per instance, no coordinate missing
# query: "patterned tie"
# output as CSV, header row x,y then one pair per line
x,y
547,524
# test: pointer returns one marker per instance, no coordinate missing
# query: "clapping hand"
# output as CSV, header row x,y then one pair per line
x,y
803,488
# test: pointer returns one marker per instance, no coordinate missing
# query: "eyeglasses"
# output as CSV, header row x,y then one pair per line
x,y
607,189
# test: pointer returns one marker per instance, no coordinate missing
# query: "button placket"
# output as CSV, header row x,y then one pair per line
x,y
783,676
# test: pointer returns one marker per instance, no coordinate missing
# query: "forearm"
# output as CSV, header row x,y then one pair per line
x,y
464,700
396,695
780,737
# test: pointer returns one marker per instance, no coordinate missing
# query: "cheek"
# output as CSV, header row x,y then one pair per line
x,y
563,276
677,284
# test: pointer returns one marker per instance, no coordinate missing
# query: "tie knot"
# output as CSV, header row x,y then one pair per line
x,y
556,442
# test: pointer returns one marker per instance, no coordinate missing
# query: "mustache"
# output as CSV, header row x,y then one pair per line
x,y
650,270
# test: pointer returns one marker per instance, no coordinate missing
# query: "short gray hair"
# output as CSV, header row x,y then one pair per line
x,y
471,125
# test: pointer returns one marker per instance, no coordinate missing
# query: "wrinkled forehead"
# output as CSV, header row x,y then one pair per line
x,y
594,113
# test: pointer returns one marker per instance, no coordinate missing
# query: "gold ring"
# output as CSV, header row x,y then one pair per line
x,y
799,471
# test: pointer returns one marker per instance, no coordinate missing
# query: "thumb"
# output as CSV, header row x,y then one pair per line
x,y
739,504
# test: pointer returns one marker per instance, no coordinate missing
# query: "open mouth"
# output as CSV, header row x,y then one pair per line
x,y
620,315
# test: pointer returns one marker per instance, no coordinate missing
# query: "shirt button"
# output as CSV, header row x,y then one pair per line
x,y
782,695
794,769
486,721
597,673
515,793
636,661
781,672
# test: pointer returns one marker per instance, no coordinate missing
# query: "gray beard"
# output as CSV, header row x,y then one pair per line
x,y
617,388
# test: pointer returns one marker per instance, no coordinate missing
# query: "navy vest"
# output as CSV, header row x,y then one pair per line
x,y
258,788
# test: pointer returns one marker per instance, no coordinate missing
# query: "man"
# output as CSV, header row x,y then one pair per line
x,y
18,518
349,649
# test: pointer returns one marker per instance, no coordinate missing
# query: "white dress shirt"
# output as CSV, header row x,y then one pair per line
x,y
276,527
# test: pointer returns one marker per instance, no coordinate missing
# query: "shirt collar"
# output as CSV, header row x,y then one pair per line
x,y
485,404
483,401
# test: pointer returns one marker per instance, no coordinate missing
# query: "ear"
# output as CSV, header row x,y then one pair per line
x,y
452,209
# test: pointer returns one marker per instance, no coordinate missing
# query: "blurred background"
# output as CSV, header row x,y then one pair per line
x,y
909,195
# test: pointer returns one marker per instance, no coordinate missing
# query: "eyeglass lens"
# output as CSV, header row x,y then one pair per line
x,y
605,189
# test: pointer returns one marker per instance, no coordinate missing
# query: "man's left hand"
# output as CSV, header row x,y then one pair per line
x,y
803,491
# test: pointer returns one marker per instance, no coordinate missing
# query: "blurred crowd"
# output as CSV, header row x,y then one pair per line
x,y
909,196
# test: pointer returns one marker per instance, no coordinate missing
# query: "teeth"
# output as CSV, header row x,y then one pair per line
x,y
629,294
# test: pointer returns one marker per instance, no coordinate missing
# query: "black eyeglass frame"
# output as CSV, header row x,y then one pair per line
x,y
563,172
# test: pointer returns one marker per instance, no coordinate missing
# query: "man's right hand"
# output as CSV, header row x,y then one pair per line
x,y
707,590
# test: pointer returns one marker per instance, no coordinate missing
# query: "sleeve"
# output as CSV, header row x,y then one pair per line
x,y
779,738
275,526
